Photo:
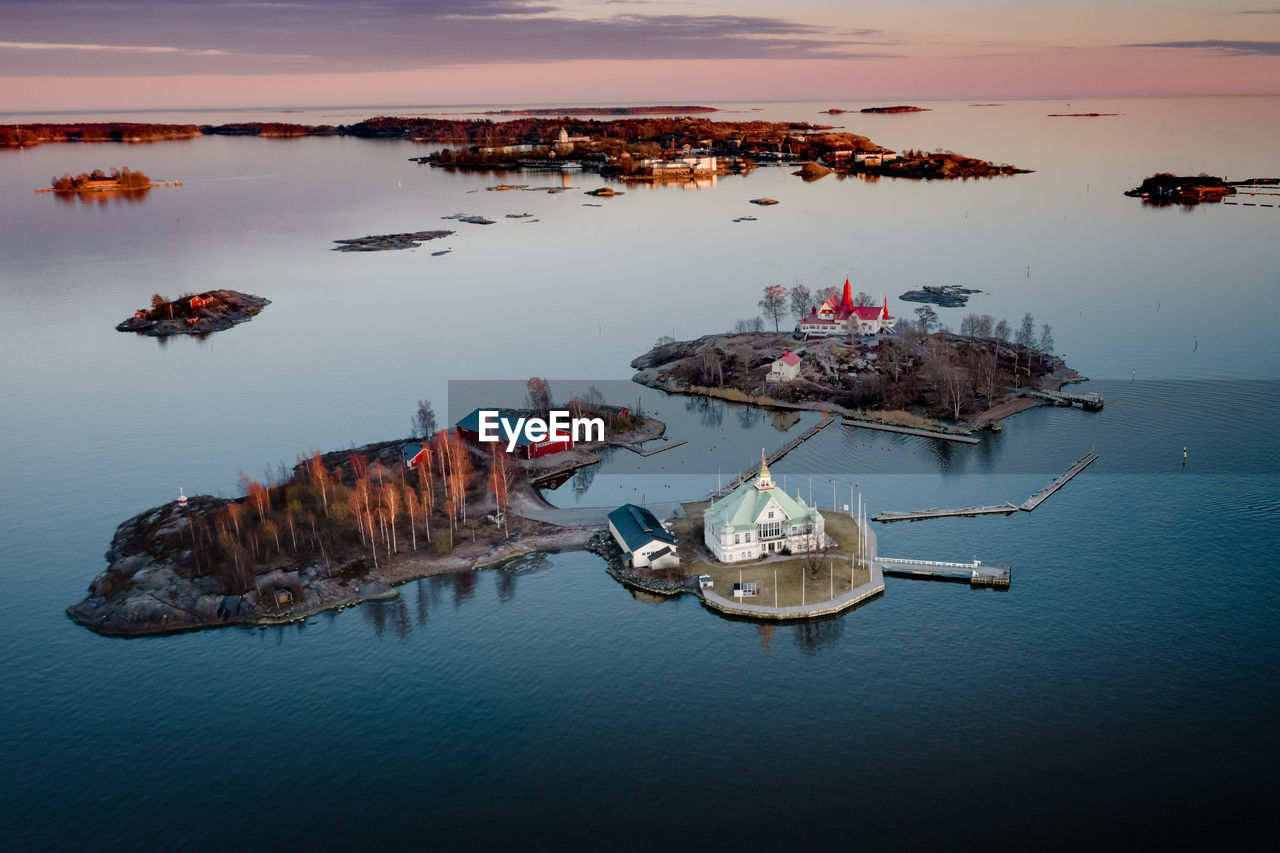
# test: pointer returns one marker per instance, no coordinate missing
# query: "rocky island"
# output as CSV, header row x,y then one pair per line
x,y
944,296
388,242
912,377
897,109
339,529
194,314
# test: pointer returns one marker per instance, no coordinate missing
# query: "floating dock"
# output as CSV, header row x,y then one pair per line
x,y
924,433
967,512
1091,402
975,573
1040,496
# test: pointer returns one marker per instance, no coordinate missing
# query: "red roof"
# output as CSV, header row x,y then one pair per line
x,y
790,358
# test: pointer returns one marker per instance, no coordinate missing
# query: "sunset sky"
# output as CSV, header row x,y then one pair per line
x,y
117,54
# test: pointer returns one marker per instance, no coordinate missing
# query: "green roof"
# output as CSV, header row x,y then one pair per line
x,y
740,509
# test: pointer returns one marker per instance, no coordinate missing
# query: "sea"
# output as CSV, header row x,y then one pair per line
x,y
1122,691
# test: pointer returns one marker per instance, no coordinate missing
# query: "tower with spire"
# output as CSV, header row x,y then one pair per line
x,y
841,317
758,518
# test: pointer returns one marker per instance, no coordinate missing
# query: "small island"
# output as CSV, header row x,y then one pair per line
x,y
944,296
98,181
389,242
898,109
1164,188
194,314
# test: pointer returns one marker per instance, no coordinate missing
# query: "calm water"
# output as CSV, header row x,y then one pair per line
x,y
1123,688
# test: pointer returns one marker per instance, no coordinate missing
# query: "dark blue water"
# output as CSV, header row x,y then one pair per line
x,y
1121,691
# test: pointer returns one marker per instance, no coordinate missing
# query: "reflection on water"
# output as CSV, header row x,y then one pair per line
x,y
102,199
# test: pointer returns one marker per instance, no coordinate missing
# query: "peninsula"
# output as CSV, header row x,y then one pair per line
x,y
194,314
339,529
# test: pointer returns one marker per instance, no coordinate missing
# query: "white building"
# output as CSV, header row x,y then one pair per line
x,y
645,543
757,518
874,158
785,369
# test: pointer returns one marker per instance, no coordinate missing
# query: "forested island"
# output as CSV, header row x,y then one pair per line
x,y
194,314
1167,188
601,111
338,529
916,376
116,180
640,148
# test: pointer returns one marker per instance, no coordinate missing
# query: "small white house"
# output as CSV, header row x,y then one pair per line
x,y
645,543
785,369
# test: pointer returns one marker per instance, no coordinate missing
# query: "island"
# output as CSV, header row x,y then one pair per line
x,y
652,148
343,527
601,111
1164,188
897,109
194,314
389,242
944,296
849,356
98,181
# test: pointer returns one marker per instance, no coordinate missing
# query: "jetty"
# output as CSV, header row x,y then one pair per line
x,y
925,433
974,573
1005,508
968,512
1090,402
825,421
1039,497
664,446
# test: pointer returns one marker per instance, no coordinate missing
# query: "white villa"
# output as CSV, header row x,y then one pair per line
x,y
757,518
785,369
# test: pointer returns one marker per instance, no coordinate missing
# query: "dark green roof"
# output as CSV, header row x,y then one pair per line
x,y
638,527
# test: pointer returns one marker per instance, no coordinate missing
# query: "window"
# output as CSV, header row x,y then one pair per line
x,y
770,529
771,513
737,538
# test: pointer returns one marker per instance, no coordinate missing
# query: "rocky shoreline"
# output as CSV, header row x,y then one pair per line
x,y
602,544
149,588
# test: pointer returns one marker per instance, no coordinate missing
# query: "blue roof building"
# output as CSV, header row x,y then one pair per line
x,y
644,541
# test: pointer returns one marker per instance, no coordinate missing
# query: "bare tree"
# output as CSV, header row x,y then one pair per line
x,y
1002,331
424,420
539,396
1046,338
774,303
801,300
1026,336
928,318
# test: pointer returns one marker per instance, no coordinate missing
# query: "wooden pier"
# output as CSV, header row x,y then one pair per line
x,y
635,448
967,512
975,573
824,422
924,433
1040,496
1091,402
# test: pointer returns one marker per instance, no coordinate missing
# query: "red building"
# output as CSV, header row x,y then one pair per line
x,y
469,430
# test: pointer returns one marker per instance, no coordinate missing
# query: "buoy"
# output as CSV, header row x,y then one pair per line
x,y
182,498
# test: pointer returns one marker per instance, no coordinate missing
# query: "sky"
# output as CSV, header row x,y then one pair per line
x,y
156,54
